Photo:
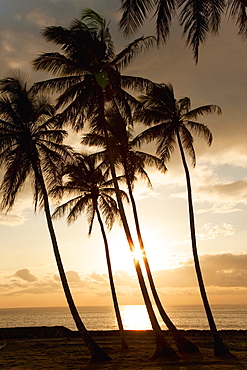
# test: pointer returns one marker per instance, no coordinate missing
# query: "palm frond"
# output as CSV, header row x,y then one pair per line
x,y
89,183
152,161
29,142
92,19
134,14
194,18
238,11
216,9
79,90
200,130
136,83
57,84
149,134
68,207
165,11
8,113
166,145
108,208
127,106
143,175
18,169
187,143
57,35
203,110
84,204
125,57
57,64
14,87
184,105
94,139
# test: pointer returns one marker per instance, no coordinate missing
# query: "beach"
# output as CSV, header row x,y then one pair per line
x,y
59,348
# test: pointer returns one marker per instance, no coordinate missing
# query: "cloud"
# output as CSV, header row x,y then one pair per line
x,y
96,281
25,275
56,277
104,294
73,277
23,282
225,261
224,196
224,274
40,18
11,220
32,285
214,190
123,278
209,231
230,189
13,284
220,270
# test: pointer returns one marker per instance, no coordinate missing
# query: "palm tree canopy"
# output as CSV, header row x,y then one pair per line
x,y
198,18
170,117
90,187
124,148
88,62
27,135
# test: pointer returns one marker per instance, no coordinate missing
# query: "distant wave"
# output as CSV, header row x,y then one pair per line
x,y
227,317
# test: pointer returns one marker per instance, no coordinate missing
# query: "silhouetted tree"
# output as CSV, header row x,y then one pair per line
x,y
134,161
173,123
89,74
31,147
92,193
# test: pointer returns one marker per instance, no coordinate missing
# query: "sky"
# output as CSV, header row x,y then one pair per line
x,y
28,272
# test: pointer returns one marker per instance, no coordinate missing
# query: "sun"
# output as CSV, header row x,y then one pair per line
x,y
157,249
137,254
121,256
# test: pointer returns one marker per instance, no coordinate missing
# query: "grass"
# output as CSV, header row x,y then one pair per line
x,y
71,353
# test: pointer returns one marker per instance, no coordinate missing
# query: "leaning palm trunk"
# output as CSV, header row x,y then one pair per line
x,y
163,349
220,349
113,290
97,354
183,344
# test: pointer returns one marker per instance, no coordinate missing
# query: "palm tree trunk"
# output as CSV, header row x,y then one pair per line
x,y
98,355
220,349
163,349
183,344
113,290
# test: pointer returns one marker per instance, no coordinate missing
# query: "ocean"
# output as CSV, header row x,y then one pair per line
x,y
228,317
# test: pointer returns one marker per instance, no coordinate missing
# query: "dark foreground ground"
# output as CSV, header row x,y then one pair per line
x,y
59,348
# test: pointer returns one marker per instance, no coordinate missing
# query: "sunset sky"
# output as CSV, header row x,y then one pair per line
x,y
28,272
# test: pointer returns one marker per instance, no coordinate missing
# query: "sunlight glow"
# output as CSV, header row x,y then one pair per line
x,y
135,317
137,254
159,253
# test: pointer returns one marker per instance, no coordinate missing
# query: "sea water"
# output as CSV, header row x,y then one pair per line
x,y
229,317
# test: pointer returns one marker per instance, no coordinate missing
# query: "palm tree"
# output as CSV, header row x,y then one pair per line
x,y
125,152
93,194
31,147
173,123
198,18
89,75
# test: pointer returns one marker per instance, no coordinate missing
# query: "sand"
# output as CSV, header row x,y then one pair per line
x,y
62,349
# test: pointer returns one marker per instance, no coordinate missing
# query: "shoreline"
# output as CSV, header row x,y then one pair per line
x,y
59,348
38,332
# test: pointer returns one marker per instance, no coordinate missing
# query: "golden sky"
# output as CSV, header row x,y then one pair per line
x,y
28,273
